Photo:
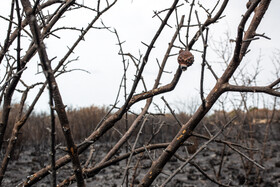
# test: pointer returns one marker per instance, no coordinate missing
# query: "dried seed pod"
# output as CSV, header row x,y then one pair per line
x,y
185,59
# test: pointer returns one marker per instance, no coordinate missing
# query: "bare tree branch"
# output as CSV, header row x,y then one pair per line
x,y
198,151
59,106
212,97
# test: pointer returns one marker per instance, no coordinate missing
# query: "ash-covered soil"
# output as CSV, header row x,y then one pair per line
x,y
235,169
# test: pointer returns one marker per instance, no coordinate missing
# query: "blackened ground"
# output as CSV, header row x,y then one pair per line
x,y
236,170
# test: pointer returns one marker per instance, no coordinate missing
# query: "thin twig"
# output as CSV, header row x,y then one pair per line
x,y
204,40
189,22
172,112
133,148
245,156
201,171
198,151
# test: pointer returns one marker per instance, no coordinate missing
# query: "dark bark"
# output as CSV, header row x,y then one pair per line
x,y
59,106
212,97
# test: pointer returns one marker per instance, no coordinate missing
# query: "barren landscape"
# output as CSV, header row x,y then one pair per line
x,y
139,93
233,173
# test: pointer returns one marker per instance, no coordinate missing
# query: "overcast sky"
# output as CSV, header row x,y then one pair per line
x,y
98,54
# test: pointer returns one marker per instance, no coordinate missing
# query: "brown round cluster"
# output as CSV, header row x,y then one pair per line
x,y
185,59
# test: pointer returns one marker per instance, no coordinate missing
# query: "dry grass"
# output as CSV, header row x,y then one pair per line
x,y
84,120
